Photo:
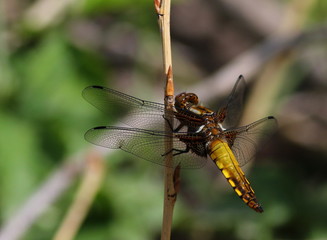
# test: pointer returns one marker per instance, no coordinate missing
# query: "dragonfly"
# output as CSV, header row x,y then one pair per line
x,y
197,133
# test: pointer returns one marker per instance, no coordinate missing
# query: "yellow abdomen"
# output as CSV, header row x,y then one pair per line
x,y
224,158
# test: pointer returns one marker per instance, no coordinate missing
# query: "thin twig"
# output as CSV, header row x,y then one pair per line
x,y
41,200
170,193
271,81
45,13
266,11
251,61
91,182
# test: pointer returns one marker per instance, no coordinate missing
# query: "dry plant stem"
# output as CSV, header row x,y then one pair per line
x,y
45,13
91,182
252,10
170,193
41,200
273,75
251,61
163,10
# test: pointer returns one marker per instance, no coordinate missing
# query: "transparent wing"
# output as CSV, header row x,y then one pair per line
x,y
231,111
146,144
116,104
245,141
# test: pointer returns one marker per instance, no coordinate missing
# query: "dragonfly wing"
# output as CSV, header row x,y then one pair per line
x,y
245,141
146,144
230,112
114,103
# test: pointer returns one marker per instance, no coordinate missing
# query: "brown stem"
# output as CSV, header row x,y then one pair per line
x,y
170,193
91,182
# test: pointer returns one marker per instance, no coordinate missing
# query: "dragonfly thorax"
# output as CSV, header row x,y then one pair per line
x,y
211,128
187,108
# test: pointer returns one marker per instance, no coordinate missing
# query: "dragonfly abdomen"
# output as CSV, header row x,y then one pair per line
x,y
225,160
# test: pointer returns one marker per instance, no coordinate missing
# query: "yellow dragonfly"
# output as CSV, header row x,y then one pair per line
x,y
198,133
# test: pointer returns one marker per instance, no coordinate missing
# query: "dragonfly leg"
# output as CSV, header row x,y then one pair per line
x,y
169,123
178,151
179,127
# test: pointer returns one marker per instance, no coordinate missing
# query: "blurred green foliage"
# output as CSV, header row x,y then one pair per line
x,y
318,12
43,118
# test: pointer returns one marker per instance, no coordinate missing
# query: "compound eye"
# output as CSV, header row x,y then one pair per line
x,y
180,101
192,98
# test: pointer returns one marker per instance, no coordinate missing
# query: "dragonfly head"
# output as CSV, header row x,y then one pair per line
x,y
186,100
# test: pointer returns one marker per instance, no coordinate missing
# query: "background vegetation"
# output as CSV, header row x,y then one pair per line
x,y
50,50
